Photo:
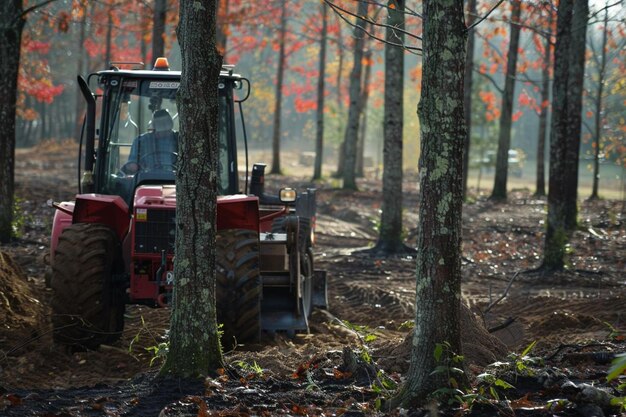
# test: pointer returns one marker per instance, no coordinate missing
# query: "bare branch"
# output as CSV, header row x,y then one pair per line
x,y
485,16
338,10
506,291
369,20
490,78
33,8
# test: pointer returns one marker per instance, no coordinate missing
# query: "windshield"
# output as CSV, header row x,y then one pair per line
x,y
141,138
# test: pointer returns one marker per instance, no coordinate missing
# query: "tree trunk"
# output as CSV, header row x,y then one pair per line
x,y
575,83
598,109
194,339
561,167
365,94
354,112
80,70
467,89
279,91
390,236
158,29
319,139
543,117
506,117
222,27
438,274
340,149
108,39
11,25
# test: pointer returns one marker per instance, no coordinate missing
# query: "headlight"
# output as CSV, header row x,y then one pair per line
x,y
287,195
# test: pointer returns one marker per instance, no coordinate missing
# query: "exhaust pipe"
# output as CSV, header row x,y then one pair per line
x,y
90,135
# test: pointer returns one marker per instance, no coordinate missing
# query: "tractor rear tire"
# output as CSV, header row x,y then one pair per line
x,y
239,287
87,304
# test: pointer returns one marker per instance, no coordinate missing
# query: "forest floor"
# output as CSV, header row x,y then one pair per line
x,y
576,318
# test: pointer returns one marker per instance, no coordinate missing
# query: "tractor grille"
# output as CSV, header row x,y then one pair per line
x,y
156,233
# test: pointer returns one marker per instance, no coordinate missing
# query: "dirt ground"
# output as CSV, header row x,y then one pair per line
x,y
576,317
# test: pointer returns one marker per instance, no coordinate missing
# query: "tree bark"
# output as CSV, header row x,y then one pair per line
x,y
506,117
194,340
279,91
11,26
319,138
438,272
390,235
571,14
158,29
467,90
354,111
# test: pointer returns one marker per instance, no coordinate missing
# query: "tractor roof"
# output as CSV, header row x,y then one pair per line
x,y
226,72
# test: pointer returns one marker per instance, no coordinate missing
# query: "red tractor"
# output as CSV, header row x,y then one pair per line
x,y
114,244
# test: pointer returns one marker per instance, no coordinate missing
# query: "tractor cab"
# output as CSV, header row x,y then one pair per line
x,y
139,125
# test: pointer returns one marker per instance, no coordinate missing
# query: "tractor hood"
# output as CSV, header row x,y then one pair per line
x,y
155,195
233,212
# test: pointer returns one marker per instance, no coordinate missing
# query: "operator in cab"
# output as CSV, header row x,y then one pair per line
x,y
154,150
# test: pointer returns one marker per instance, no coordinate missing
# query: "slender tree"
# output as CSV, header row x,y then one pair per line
x,y
390,237
355,109
601,63
543,116
575,83
194,340
158,29
319,136
12,20
506,117
365,95
222,27
566,121
279,90
467,92
438,274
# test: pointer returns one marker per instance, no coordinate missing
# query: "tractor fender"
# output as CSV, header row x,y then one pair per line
x,y
62,219
238,212
109,210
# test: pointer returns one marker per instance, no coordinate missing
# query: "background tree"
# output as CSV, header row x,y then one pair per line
x,y
319,135
467,92
12,20
565,132
354,111
158,29
603,87
279,90
540,182
194,341
506,117
442,131
390,234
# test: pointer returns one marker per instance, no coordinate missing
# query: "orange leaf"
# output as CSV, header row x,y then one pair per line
x,y
341,375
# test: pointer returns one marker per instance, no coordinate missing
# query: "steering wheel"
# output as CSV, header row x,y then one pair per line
x,y
131,168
